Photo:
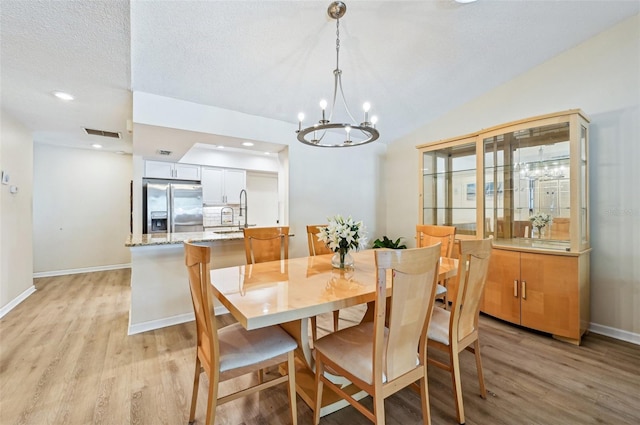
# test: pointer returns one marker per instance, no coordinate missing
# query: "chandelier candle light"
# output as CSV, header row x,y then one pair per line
x,y
355,134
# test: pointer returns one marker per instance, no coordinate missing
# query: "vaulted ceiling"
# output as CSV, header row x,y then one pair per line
x,y
413,60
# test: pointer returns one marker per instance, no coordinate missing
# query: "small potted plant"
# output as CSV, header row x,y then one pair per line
x,y
389,243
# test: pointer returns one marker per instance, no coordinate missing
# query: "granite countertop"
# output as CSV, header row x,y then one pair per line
x,y
178,238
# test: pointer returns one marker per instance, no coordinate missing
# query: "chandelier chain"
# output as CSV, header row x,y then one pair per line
x,y
337,44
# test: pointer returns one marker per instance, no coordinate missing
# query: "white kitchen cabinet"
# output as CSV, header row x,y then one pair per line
x,y
171,170
234,182
222,186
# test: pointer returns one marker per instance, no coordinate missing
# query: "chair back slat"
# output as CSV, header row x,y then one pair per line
x,y
472,275
264,244
427,235
316,247
197,260
414,276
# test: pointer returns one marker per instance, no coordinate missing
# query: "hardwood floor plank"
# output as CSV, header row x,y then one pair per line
x,y
66,358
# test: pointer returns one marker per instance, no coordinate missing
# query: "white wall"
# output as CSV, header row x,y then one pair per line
x,y
602,77
16,258
329,181
81,209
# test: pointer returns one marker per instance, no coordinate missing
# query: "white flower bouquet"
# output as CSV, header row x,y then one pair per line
x,y
540,219
342,235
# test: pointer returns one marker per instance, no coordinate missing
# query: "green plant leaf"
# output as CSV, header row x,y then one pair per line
x,y
388,243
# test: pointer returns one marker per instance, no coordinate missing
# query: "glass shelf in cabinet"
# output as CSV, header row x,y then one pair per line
x,y
470,171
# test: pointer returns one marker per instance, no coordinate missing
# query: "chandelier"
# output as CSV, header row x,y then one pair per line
x,y
542,170
336,135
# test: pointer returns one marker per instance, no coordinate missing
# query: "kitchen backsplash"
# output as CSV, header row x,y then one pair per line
x,y
215,216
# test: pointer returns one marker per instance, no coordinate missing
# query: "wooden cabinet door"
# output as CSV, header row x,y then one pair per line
x,y
502,290
550,299
212,185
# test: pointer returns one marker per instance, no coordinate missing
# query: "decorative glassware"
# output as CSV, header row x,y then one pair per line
x,y
342,259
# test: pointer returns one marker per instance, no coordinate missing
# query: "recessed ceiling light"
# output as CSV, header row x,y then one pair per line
x,y
247,144
465,1
97,145
267,153
220,147
62,95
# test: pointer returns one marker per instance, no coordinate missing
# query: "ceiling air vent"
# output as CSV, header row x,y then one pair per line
x,y
102,133
163,152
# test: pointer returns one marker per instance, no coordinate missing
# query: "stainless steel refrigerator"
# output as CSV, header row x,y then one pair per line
x,y
173,208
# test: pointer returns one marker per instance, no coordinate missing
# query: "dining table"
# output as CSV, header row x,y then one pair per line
x,y
289,292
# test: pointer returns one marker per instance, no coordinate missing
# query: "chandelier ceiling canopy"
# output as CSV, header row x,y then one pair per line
x,y
326,133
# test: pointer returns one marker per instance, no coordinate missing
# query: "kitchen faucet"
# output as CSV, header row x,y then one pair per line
x,y
246,214
222,214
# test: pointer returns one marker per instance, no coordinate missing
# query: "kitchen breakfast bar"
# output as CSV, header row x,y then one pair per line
x,y
159,284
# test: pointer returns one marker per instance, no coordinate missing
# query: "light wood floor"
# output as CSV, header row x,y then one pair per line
x,y
65,358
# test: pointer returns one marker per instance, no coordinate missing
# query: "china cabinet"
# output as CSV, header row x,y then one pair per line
x,y
525,184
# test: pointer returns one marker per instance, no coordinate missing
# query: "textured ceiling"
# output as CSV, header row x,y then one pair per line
x,y
413,60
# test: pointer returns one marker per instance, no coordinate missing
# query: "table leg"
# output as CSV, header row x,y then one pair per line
x,y
305,373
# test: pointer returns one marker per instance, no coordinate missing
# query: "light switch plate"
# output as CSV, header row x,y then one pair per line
x,y
5,177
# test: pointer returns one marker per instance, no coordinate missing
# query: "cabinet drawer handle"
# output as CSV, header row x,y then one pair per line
x,y
515,288
524,290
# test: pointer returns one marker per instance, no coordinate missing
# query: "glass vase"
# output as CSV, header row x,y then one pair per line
x,y
342,259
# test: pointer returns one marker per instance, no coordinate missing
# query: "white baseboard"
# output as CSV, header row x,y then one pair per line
x,y
82,270
169,321
627,336
17,300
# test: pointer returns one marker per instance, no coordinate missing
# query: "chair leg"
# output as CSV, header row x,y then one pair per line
x,y
378,407
319,385
212,398
291,371
444,296
455,380
314,329
336,320
445,301
476,350
194,394
424,398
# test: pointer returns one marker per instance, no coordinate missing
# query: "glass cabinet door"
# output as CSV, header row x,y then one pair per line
x,y
449,187
527,190
584,218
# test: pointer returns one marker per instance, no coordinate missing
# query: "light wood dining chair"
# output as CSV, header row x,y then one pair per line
x,y
317,247
427,235
263,244
381,360
231,351
456,330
